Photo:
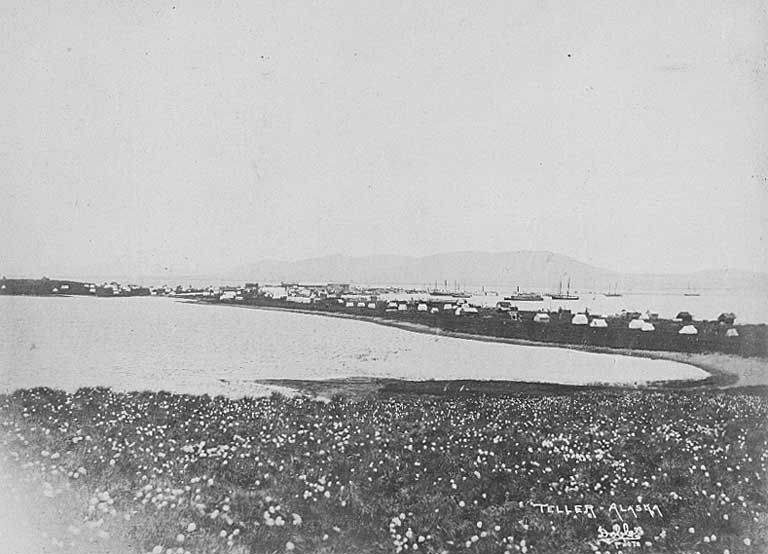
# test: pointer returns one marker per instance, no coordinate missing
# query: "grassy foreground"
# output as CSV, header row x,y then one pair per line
x,y
157,472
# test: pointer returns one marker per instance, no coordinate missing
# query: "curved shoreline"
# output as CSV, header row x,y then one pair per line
x,y
724,370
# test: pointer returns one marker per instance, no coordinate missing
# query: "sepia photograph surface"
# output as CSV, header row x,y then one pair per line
x,y
383,277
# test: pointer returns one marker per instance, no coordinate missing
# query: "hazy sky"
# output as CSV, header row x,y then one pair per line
x,y
189,138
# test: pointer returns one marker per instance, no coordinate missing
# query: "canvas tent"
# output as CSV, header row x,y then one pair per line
x,y
636,324
580,319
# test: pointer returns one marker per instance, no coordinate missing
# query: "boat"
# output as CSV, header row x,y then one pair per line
x,y
524,297
449,293
615,293
691,292
560,296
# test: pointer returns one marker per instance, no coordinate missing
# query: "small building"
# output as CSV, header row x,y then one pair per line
x,y
685,317
688,330
647,327
598,323
726,318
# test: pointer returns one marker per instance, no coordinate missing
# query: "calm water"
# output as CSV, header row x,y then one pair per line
x,y
158,343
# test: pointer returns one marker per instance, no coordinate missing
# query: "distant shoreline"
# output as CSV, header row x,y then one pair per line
x,y
725,370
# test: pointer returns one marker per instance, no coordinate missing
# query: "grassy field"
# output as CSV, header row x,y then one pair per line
x,y
156,472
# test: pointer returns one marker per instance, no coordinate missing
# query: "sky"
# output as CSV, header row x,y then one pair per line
x,y
188,139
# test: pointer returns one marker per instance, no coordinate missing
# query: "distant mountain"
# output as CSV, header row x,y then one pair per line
x,y
526,269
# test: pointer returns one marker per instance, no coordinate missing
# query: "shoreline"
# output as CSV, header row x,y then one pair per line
x,y
725,370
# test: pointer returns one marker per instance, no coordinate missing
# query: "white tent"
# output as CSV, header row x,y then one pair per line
x,y
732,332
361,304
647,327
372,306
636,324
422,307
541,318
227,295
434,310
402,307
350,304
688,330
469,309
580,319
447,307
598,323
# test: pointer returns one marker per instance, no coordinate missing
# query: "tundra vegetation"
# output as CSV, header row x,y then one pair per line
x,y
170,473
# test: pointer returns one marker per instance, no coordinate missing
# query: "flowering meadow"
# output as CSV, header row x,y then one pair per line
x,y
169,473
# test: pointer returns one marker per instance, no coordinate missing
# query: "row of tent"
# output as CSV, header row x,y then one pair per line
x,y
640,323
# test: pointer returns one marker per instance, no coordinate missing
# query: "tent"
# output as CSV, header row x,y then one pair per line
x,y
732,332
541,318
647,327
688,330
598,323
580,319
372,305
636,323
402,307
422,307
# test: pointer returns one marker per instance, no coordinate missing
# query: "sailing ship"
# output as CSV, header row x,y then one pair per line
x,y
690,291
560,296
615,292
524,297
